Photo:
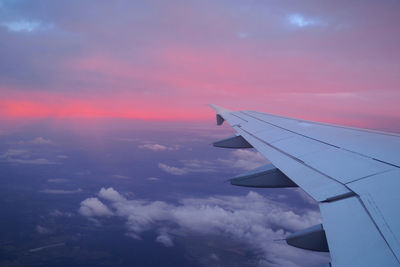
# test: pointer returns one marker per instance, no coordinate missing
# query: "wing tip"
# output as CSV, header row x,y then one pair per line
x,y
218,109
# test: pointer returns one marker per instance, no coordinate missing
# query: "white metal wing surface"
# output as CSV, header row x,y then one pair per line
x,y
353,173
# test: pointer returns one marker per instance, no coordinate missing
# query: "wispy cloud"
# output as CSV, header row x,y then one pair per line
x,y
57,180
23,25
20,156
36,141
244,159
165,239
42,230
189,166
302,21
125,139
118,176
172,170
158,147
58,213
39,161
61,191
41,141
252,219
13,152
238,159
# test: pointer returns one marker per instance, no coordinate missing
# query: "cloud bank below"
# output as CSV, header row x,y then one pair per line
x,y
254,220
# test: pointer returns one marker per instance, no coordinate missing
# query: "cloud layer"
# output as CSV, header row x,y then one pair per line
x,y
240,159
252,219
60,191
158,147
21,156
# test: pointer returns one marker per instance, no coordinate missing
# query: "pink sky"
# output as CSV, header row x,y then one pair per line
x,y
335,62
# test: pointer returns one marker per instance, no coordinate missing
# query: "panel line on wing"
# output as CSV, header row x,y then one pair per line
x,y
239,117
294,158
348,224
289,130
329,124
368,143
370,175
380,196
377,227
344,149
394,165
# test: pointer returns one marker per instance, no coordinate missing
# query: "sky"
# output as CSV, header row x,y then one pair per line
x,y
331,61
105,132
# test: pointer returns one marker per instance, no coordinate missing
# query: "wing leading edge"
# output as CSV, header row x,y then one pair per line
x,y
353,173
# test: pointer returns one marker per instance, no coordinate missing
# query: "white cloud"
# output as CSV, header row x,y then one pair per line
x,y
94,207
62,156
26,26
41,141
20,156
35,141
42,230
190,166
111,195
244,159
172,170
196,165
13,152
239,159
55,213
252,219
158,147
57,180
130,140
133,235
165,239
58,213
214,256
118,176
154,147
31,161
21,26
153,178
61,191
302,21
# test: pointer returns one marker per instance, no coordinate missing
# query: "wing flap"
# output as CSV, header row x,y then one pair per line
x,y
267,176
343,165
380,195
353,238
316,184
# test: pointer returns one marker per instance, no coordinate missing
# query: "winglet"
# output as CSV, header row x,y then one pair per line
x,y
220,111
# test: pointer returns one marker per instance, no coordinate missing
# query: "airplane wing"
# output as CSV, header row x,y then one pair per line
x,y
354,175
